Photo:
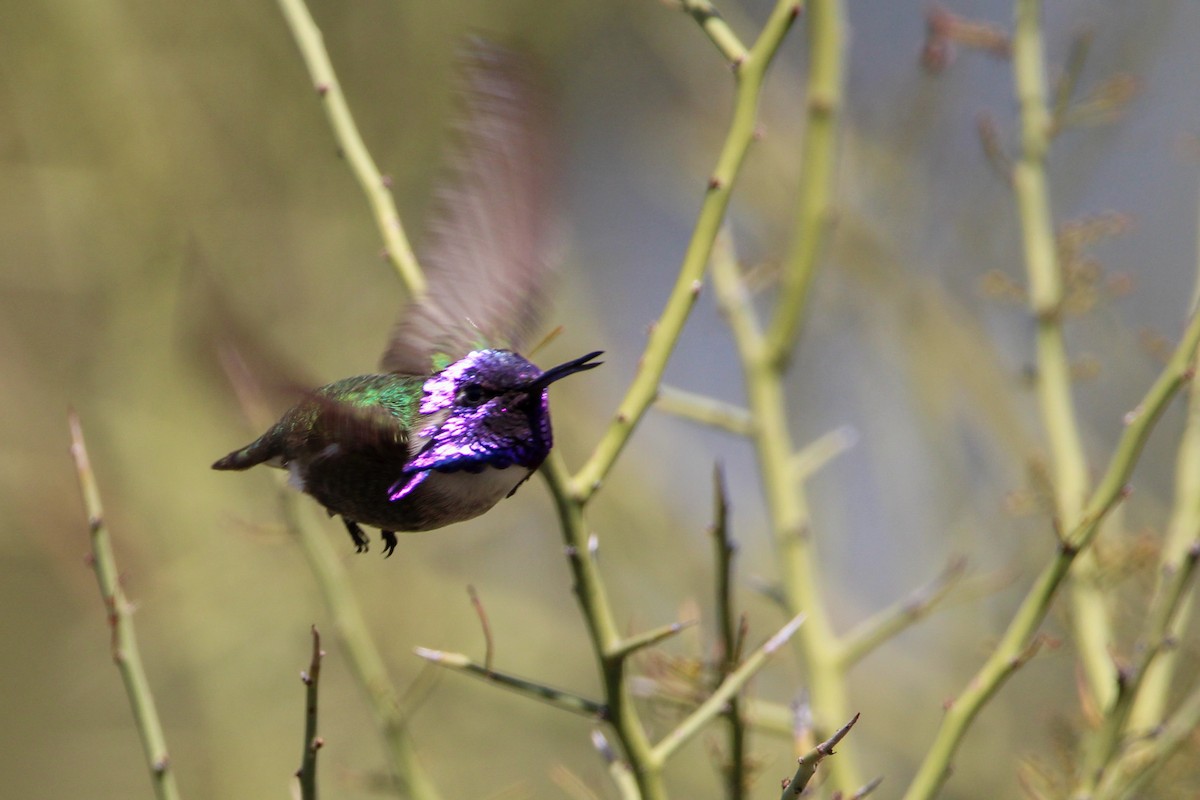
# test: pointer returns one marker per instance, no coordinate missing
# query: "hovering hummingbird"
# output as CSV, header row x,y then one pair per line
x,y
458,419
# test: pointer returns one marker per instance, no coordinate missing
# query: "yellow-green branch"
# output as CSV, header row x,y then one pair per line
x,y
1091,624
1019,638
1183,530
604,633
374,185
751,73
787,505
818,162
729,688
125,653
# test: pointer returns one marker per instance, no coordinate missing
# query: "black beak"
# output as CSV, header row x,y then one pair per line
x,y
563,370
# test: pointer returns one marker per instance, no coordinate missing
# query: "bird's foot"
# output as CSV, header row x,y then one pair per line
x,y
361,541
389,543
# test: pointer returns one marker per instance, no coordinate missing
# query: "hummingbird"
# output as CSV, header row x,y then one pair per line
x,y
456,419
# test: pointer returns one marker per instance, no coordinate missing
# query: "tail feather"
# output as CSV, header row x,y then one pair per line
x,y
263,449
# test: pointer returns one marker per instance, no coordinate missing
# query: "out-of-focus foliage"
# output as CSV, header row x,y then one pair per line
x,y
168,177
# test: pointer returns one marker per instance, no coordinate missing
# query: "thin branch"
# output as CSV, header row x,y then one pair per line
x,y
602,629
1162,617
751,73
818,161
874,631
568,701
363,656
618,770
714,25
729,688
1064,87
374,185
1136,765
867,788
724,551
1139,423
312,742
765,716
124,646
488,644
816,454
1151,704
1090,617
787,504
630,645
705,410
993,149
806,765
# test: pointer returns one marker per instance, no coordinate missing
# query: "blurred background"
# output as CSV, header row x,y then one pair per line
x,y
169,176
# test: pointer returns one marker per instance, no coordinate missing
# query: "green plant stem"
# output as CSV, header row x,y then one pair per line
x,y
1018,639
787,505
618,770
361,653
869,634
568,701
1091,624
761,715
818,161
312,47
751,73
1138,763
307,774
123,645
639,641
714,25
1163,614
604,634
1183,530
728,689
705,410
811,458
765,357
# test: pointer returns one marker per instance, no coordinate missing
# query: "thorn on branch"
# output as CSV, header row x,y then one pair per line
x,y
993,150
944,31
869,787
806,765
481,613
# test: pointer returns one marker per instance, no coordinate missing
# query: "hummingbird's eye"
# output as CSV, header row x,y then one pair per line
x,y
472,395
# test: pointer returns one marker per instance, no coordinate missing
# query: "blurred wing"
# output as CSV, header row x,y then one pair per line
x,y
488,252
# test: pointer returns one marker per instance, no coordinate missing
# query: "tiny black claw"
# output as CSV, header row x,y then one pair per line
x,y
360,539
389,543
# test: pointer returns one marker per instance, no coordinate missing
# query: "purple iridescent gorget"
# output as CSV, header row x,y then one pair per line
x,y
490,408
